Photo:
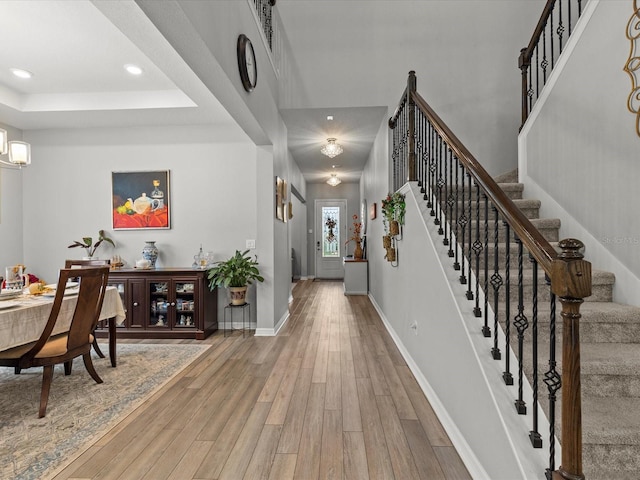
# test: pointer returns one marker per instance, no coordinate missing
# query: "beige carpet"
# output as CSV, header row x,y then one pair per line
x,y
79,410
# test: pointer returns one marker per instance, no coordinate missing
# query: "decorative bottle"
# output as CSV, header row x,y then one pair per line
x,y
150,252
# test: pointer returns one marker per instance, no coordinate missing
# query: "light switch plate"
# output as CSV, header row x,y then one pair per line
x,y
251,244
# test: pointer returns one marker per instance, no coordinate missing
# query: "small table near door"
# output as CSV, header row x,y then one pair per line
x,y
356,276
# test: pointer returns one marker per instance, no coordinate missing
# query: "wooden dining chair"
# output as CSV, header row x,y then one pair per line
x,y
94,262
50,350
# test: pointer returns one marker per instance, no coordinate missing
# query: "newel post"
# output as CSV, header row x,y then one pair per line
x,y
411,89
571,282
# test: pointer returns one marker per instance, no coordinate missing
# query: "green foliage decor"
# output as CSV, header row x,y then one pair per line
x,y
88,244
238,271
393,208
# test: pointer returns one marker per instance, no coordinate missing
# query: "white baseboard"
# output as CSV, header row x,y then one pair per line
x,y
272,332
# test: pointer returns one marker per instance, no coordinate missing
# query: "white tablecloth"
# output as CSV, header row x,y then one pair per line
x,y
24,323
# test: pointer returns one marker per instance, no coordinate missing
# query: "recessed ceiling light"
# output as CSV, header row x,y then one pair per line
x,y
20,73
133,69
329,117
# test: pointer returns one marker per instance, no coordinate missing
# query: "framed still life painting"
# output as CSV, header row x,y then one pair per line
x,y
140,200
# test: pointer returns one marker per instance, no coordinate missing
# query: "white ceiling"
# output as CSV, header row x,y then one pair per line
x,y
77,51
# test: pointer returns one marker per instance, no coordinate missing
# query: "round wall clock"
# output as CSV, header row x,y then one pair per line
x,y
247,63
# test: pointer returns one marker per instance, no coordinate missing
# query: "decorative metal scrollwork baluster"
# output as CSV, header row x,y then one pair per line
x,y
445,218
451,198
486,331
477,250
521,323
554,382
456,262
469,291
463,221
496,283
507,375
534,434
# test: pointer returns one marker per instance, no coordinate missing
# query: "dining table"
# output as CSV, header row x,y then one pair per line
x,y
23,318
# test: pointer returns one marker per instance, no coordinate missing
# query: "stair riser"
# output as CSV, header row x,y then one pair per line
x,y
549,233
589,332
513,191
610,385
592,385
599,293
530,212
625,457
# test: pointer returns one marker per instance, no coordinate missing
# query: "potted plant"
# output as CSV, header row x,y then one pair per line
x,y
393,211
235,274
358,253
90,246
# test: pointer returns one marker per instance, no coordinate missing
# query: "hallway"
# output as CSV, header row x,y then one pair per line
x,y
329,397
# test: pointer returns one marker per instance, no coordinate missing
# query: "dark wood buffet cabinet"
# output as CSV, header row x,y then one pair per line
x,y
165,303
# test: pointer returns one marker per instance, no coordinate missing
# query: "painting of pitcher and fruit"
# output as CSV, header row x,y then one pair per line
x,y
140,200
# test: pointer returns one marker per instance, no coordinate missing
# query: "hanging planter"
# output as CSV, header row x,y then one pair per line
x,y
393,210
391,254
386,241
394,228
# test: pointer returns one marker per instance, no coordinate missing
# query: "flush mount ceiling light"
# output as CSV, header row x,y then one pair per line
x,y
20,73
19,152
331,149
133,69
334,181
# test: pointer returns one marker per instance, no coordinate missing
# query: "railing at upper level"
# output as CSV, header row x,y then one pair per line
x,y
264,10
478,221
536,60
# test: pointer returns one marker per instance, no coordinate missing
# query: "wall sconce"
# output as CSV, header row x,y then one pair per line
x,y
19,152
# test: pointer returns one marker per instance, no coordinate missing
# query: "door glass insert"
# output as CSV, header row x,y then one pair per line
x,y
330,231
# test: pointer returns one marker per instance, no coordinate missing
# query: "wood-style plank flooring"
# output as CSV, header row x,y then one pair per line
x,y
330,397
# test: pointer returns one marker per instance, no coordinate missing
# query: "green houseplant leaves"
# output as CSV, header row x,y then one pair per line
x,y
237,271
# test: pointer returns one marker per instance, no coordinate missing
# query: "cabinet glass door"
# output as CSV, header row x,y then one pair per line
x,y
184,295
160,304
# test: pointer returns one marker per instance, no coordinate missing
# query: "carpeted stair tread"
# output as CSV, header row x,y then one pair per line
x,y
610,420
610,359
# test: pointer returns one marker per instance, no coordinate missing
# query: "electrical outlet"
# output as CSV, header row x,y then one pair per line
x,y
251,244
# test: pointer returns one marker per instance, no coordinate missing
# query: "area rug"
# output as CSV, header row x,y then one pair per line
x,y
79,411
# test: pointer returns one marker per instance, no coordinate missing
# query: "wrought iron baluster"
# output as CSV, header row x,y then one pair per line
x,y
477,249
551,36
486,331
469,292
432,171
496,283
554,382
534,434
521,323
445,218
560,29
544,63
440,184
506,375
420,151
456,263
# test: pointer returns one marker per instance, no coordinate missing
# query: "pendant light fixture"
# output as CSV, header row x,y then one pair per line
x,y
331,149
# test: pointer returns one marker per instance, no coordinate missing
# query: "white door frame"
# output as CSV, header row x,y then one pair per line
x,y
330,268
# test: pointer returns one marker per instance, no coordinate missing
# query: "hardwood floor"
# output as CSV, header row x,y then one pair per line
x,y
329,398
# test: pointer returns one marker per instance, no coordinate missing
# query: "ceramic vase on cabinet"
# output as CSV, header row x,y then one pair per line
x,y
150,252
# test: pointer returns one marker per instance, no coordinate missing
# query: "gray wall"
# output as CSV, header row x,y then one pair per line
x,y
464,52
316,191
11,211
579,153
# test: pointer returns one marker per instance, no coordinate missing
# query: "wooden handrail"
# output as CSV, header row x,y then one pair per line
x,y
569,273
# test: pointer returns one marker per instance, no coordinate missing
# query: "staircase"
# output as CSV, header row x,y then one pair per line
x,y
610,354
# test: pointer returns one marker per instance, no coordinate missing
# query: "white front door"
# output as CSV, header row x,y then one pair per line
x,y
330,237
